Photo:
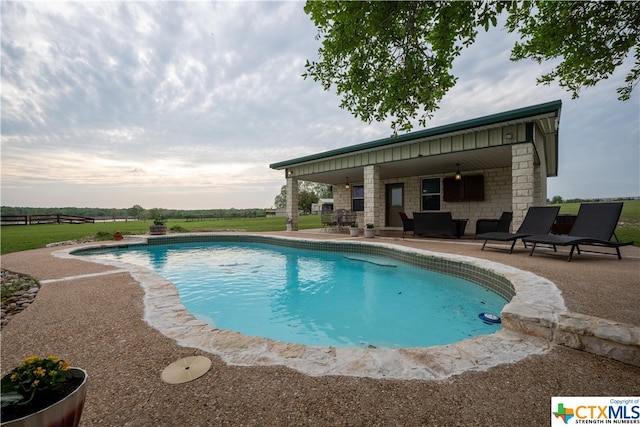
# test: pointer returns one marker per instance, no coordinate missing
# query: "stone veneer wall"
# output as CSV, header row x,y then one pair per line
x,y
342,200
292,204
523,181
508,189
341,197
497,197
599,336
374,197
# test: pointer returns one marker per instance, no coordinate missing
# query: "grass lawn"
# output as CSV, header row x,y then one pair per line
x,y
22,237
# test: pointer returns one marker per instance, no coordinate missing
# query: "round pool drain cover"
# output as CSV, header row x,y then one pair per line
x,y
185,370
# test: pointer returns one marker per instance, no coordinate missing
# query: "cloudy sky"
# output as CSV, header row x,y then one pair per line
x,y
185,105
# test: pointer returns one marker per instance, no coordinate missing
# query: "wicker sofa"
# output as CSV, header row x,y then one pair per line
x,y
440,224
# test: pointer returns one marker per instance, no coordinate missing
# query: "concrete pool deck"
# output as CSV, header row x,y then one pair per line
x,y
94,315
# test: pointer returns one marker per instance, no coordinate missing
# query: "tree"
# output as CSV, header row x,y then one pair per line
x,y
395,58
157,213
592,38
323,191
281,199
556,200
315,189
135,211
306,199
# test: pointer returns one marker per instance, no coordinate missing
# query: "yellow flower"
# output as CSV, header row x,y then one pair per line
x,y
54,359
14,377
64,365
40,372
34,384
31,359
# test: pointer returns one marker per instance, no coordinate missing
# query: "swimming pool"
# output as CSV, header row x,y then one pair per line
x,y
534,306
318,297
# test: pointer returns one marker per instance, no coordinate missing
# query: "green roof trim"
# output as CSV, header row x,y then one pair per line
x,y
520,113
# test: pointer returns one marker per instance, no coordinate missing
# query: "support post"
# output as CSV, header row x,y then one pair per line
x,y
522,181
292,204
372,191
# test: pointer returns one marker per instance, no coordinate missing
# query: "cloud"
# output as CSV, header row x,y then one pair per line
x,y
103,103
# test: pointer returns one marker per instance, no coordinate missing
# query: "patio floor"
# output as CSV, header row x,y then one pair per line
x,y
97,322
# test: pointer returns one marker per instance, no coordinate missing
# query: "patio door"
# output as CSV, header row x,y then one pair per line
x,y
394,204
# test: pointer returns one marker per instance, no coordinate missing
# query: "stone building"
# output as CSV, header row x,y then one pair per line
x,y
476,168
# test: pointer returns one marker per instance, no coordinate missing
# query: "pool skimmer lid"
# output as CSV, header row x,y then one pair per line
x,y
489,319
185,370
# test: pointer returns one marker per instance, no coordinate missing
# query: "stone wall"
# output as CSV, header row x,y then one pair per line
x,y
497,199
497,193
292,204
599,336
374,199
522,181
594,335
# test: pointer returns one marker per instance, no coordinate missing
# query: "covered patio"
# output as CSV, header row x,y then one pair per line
x,y
474,169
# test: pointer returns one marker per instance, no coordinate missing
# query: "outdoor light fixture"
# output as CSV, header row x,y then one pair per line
x,y
289,172
458,175
347,186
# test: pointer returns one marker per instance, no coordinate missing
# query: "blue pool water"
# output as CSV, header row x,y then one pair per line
x,y
316,297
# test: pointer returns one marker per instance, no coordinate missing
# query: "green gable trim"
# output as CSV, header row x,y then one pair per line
x,y
518,114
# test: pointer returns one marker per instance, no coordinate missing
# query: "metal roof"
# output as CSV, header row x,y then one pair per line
x,y
493,119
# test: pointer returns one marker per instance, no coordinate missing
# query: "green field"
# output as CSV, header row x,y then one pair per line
x,y
21,238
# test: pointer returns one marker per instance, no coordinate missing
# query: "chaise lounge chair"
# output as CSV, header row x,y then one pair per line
x,y
538,220
594,226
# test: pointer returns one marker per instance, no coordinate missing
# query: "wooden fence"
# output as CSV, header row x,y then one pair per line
x,y
44,219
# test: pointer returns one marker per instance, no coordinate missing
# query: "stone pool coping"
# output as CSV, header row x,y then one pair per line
x,y
529,321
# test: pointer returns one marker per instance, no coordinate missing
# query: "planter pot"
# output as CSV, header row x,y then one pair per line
x,y
117,236
369,232
157,229
354,231
64,413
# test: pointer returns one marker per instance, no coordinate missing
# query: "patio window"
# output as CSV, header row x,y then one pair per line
x,y
431,194
357,198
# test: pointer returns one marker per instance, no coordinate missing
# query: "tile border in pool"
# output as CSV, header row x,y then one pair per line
x,y
529,317
473,273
